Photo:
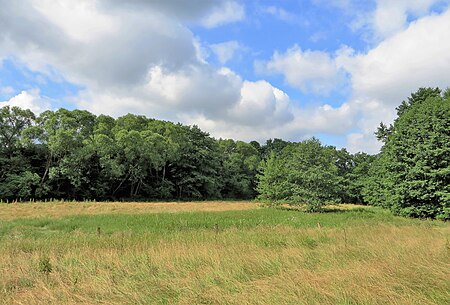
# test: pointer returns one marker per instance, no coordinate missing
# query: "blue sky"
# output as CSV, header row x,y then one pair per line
x,y
248,70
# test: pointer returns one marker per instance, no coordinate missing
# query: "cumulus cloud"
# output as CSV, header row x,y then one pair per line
x,y
210,13
294,123
391,17
308,71
326,119
112,59
197,89
28,100
261,104
126,53
357,142
417,57
412,57
78,19
408,55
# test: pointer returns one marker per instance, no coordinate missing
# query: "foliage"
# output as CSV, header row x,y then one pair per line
x,y
412,174
239,166
272,183
352,169
304,173
77,155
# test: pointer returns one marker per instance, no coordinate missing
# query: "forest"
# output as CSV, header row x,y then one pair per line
x,y
76,155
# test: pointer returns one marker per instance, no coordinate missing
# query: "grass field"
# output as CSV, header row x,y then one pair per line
x,y
218,253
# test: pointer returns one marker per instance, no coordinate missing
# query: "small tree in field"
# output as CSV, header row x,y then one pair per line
x,y
304,173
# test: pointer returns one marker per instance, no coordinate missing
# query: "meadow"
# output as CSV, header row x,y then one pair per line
x,y
218,253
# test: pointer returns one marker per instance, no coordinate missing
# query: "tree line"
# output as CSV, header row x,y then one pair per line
x,y
74,154
77,155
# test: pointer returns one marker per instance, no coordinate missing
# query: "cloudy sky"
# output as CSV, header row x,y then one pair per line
x,y
248,70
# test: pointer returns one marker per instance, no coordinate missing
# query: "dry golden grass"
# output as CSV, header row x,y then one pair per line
x,y
361,263
63,209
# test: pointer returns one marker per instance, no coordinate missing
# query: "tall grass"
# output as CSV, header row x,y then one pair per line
x,y
256,256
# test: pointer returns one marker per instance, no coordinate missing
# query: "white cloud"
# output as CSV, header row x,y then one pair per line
x,y
197,89
79,19
151,64
264,112
418,56
112,60
414,57
225,51
357,142
262,105
391,17
28,100
327,119
191,11
308,71
279,13
229,12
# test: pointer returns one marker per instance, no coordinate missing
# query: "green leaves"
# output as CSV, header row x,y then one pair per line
x,y
273,185
239,166
412,173
304,173
13,121
20,185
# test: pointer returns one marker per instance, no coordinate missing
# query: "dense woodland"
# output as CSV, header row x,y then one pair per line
x,y
75,155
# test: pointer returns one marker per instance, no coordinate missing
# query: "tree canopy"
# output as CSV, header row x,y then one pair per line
x,y
412,174
77,155
303,173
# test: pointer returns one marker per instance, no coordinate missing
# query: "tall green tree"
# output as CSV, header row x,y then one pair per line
x,y
414,166
62,136
17,179
196,170
13,120
239,167
352,170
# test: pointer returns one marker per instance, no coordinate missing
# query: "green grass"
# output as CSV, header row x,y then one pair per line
x,y
258,256
163,223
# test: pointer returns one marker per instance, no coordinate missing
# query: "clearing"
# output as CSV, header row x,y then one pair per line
x,y
218,253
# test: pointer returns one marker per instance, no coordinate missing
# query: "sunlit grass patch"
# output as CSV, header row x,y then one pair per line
x,y
60,209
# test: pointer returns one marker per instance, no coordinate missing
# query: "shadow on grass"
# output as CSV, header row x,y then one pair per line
x,y
302,209
352,210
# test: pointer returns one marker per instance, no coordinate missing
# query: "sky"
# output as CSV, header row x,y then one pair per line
x,y
246,70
